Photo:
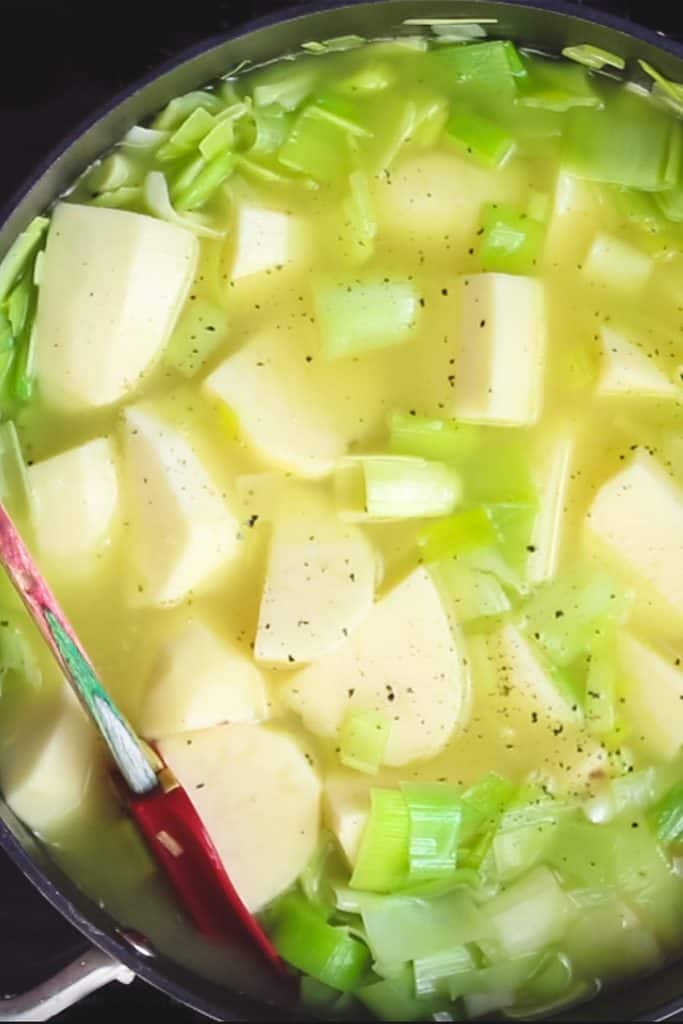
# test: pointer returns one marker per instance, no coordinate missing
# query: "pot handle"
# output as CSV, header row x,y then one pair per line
x,y
74,982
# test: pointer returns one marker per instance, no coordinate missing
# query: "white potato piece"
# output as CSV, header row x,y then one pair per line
x,y
45,780
320,583
75,497
346,807
267,385
401,661
501,351
198,680
627,370
652,688
259,799
113,284
637,516
576,210
548,530
616,264
527,673
183,529
435,198
264,239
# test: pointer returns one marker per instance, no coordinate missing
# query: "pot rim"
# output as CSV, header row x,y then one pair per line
x,y
152,966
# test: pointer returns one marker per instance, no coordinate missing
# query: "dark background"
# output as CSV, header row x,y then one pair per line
x,y
59,61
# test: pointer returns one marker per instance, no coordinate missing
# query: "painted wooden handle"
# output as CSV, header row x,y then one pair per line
x,y
125,747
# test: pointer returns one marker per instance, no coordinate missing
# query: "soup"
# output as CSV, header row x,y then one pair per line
x,y
343,412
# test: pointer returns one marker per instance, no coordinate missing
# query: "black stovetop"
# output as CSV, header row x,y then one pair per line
x,y
59,61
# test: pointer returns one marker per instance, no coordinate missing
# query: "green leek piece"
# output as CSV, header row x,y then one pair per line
x,y
550,980
358,316
339,111
158,202
558,86
478,136
360,225
20,305
318,997
315,878
304,939
394,999
363,740
629,142
284,85
673,90
531,914
125,198
670,202
639,208
504,977
112,173
370,78
483,804
20,253
186,175
180,108
273,125
219,139
513,525
511,241
499,472
383,487
435,815
206,182
485,72
607,942
24,368
667,816
339,44
432,973
474,594
599,704
593,56
443,440
15,491
200,331
569,615
646,879
188,135
464,531
382,860
407,927
316,147
144,140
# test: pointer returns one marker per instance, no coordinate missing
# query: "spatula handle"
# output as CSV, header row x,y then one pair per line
x,y
125,747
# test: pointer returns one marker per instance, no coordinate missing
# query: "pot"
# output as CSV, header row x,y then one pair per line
x,y
242,990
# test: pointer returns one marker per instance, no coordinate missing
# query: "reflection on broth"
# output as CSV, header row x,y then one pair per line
x,y
345,419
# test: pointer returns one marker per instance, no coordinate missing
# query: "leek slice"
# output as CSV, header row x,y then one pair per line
x,y
140,138
511,241
667,816
19,254
435,814
283,85
672,90
181,107
593,56
473,594
472,528
304,939
483,804
531,914
558,86
383,857
158,202
205,183
317,147
394,999
359,316
385,487
188,135
629,142
443,440
432,973
484,139
15,489
485,73
363,739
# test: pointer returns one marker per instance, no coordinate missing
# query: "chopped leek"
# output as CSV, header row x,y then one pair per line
x,y
500,979
360,225
382,487
443,440
17,257
188,135
123,198
394,999
483,804
358,316
473,594
220,138
673,90
667,816
484,139
15,490
448,538
435,815
284,86
517,850
304,939
180,108
371,78
499,473
144,139
112,173
556,85
628,142
340,112
158,202
511,241
316,147
363,739
593,56
483,72
670,202
315,878
432,973
531,914
206,182
382,861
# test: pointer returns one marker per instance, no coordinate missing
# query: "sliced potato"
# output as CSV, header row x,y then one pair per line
x,y
183,529
258,797
346,806
320,583
652,688
264,239
75,497
105,311
200,680
403,662
628,370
